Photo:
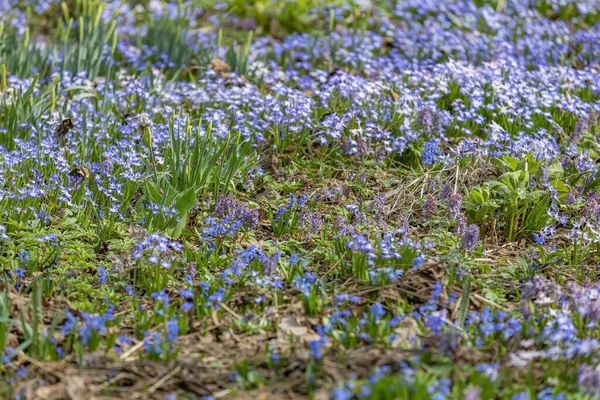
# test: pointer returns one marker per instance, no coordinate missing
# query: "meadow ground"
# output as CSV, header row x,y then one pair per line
x,y
299,199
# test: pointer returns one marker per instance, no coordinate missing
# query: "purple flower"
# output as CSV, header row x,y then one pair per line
x,y
271,263
430,206
161,295
70,323
428,121
20,272
490,370
91,324
50,237
305,283
473,394
228,208
521,396
437,290
418,260
588,377
470,237
122,339
361,244
5,359
3,235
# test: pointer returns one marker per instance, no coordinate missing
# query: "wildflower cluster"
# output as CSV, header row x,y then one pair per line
x,y
371,200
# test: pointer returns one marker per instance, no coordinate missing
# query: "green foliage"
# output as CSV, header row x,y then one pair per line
x,y
510,200
237,58
93,37
168,37
195,162
21,56
192,156
285,219
5,320
235,162
293,16
36,337
172,206
18,106
246,375
142,158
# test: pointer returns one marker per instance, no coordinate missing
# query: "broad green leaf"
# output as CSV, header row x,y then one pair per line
x,y
186,201
152,192
477,196
555,170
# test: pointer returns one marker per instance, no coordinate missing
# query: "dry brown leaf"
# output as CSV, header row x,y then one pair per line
x,y
407,334
248,243
54,392
322,394
220,67
75,388
12,340
290,326
136,232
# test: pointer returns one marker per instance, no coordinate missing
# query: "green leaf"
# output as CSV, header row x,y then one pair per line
x,y
177,228
533,196
171,194
555,170
512,180
533,165
464,303
562,188
477,196
186,201
510,163
152,193
85,95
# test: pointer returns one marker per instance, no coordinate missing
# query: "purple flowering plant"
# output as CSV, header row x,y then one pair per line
x,y
439,232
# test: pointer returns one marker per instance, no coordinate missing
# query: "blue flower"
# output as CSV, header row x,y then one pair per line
x,y
172,329
102,274
341,393
22,372
431,151
418,260
437,290
153,342
316,347
377,311
538,239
